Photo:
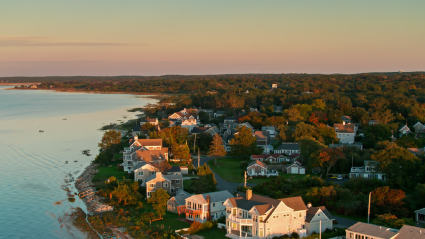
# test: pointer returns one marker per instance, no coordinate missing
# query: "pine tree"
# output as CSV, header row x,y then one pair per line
x,y
217,148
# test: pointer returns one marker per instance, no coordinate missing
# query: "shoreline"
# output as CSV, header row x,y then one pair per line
x,y
87,191
149,94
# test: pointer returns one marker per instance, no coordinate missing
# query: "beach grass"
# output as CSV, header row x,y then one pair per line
x,y
106,172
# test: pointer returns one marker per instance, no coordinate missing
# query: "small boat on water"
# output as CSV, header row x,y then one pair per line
x,y
41,131
86,152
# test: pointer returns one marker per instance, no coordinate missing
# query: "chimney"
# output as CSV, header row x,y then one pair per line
x,y
158,174
309,205
136,138
208,208
248,194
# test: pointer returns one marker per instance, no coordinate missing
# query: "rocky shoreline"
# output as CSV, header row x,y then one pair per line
x,y
87,191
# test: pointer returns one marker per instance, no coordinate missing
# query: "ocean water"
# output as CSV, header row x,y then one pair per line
x,y
35,166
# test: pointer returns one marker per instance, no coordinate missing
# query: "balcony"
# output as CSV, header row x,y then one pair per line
x,y
241,221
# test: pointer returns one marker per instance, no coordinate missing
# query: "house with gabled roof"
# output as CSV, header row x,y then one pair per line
x,y
259,168
318,219
169,182
143,172
256,216
295,168
143,150
207,206
404,130
177,203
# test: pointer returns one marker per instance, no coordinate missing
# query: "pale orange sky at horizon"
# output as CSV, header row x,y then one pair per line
x,y
198,37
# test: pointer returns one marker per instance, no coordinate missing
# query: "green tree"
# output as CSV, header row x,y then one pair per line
x,y
159,200
401,166
110,138
244,143
217,147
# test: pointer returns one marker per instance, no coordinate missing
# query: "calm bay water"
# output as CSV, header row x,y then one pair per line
x,y
34,166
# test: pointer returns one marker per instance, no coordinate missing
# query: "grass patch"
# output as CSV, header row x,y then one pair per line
x,y
213,233
172,221
106,172
228,168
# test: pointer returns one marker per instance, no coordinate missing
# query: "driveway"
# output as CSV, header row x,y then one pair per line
x,y
344,222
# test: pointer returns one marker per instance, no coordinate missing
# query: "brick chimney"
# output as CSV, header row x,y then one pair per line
x,y
248,194
136,138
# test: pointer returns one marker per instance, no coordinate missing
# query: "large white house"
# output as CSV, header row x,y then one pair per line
x,y
143,150
346,132
318,219
207,206
256,216
172,183
370,170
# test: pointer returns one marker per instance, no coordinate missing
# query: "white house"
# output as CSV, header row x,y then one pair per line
x,y
295,168
318,218
346,132
143,150
271,131
369,170
256,216
259,168
172,183
288,149
207,206
420,217
144,172
177,203
404,130
189,123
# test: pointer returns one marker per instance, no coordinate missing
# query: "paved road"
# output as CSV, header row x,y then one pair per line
x,y
344,222
221,183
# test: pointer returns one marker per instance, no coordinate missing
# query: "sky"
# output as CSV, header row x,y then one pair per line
x,y
157,37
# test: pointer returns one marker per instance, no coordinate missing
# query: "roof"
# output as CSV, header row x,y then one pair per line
x,y
150,142
219,196
312,211
295,203
259,163
404,128
411,232
372,230
421,211
152,155
344,128
181,197
260,134
288,146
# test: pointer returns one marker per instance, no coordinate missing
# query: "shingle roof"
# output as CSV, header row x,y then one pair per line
x,y
151,155
421,211
219,196
313,210
411,232
150,142
295,203
259,163
372,230
181,197
344,128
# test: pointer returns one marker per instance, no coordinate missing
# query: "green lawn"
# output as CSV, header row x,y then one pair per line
x,y
171,220
228,168
106,172
213,233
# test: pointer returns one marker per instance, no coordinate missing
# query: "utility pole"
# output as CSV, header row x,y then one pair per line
x,y
368,208
194,143
244,179
199,158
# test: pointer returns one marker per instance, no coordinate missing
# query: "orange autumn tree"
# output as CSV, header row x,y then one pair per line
x,y
328,157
